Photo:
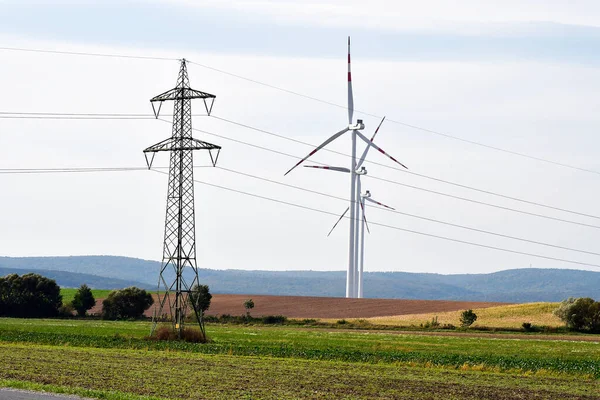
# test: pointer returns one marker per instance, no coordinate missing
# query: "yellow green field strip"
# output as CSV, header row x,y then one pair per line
x,y
503,354
194,376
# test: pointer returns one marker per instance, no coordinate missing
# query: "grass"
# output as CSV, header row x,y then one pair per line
x,y
182,375
509,316
113,360
69,294
490,354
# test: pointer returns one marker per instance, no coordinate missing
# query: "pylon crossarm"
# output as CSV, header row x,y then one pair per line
x,y
182,93
174,144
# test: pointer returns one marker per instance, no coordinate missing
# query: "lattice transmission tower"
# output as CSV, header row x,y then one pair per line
x,y
179,249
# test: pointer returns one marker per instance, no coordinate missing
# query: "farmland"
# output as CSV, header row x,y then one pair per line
x,y
106,359
315,307
504,316
69,294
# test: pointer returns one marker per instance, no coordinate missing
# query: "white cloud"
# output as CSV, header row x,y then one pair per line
x,y
463,16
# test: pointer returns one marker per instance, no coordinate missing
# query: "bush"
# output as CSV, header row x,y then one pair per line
x,y
274,319
582,314
83,300
433,324
341,322
126,303
467,318
29,295
188,335
66,310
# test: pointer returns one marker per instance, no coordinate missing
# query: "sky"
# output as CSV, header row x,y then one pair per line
x,y
519,75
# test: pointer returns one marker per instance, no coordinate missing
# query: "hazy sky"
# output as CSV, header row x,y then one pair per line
x,y
521,75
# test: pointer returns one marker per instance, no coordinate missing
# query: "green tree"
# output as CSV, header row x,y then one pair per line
x,y
582,314
126,303
200,296
83,300
248,305
467,318
29,295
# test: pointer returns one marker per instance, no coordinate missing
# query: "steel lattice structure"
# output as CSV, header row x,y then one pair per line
x,y
179,249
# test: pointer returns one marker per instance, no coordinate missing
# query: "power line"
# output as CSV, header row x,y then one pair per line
x,y
72,118
395,227
110,116
406,185
411,215
57,115
515,153
16,171
80,53
484,203
411,172
446,135
123,169
13,171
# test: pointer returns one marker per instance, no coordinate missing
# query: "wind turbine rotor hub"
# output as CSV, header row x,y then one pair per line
x,y
359,126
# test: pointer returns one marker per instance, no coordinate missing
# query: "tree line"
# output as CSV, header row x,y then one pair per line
x,y
35,296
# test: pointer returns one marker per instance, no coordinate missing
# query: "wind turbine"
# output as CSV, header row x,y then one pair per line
x,y
351,290
357,289
363,206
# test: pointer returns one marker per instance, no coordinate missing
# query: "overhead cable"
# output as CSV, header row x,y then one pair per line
x,y
110,116
395,227
295,93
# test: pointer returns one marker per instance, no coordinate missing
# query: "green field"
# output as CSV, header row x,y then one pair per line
x,y
104,359
69,294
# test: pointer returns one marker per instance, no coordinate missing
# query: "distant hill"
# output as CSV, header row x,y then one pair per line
x,y
74,280
517,285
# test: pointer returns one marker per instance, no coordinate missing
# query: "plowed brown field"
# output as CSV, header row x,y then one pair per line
x,y
326,307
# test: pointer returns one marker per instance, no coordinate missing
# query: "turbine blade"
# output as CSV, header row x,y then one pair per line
x,y
364,154
362,205
338,221
350,95
378,203
360,135
325,143
339,169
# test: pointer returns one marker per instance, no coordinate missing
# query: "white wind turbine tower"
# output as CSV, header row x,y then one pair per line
x,y
361,262
351,287
357,288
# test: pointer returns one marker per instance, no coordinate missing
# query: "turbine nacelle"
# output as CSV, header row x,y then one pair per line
x,y
359,126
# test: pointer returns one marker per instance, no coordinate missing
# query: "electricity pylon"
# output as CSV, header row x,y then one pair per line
x,y
179,249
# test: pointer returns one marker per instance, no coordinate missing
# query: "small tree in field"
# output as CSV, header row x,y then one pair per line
x,y
126,303
83,300
467,318
200,298
248,305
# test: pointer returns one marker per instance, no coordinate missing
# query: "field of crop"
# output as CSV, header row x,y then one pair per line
x,y
505,316
113,360
69,294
